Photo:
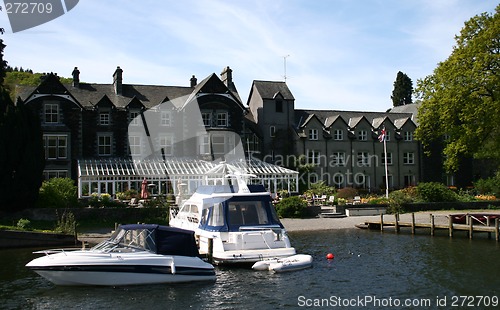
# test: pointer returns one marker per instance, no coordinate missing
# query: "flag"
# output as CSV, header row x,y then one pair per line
x,y
382,135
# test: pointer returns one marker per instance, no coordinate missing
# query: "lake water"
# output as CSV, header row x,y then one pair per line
x,y
370,270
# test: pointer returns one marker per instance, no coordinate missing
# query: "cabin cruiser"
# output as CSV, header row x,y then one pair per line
x,y
234,223
134,254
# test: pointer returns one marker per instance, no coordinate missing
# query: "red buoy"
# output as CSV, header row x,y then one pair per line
x,y
329,256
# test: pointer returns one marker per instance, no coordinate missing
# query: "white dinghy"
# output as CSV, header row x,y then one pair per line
x,y
291,263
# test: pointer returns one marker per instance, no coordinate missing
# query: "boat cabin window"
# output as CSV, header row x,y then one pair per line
x,y
247,213
217,216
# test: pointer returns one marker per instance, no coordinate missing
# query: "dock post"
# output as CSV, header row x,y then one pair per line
x,y
432,225
450,225
396,225
488,224
412,223
210,255
381,222
497,235
471,229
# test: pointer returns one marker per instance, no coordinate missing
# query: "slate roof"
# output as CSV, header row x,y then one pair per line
x,y
328,117
269,89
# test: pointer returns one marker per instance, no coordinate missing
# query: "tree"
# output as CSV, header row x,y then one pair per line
x,y
461,99
403,90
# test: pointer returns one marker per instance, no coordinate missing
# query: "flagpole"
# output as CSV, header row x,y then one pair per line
x,y
386,170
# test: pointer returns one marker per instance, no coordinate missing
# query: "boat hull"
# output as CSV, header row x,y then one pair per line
x,y
87,268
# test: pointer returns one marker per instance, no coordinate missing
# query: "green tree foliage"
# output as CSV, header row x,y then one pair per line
x,y
461,99
21,150
58,193
403,90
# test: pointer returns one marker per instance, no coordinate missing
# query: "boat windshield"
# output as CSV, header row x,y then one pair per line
x,y
133,240
247,213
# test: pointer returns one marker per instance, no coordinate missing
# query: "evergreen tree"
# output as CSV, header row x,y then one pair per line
x,y
403,89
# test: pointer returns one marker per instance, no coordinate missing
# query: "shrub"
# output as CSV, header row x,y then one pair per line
x,y
58,193
347,192
24,224
294,207
435,192
489,186
66,223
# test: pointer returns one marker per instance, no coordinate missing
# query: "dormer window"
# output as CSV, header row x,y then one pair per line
x,y
134,118
207,119
166,118
338,134
362,135
222,119
104,118
408,136
313,134
51,113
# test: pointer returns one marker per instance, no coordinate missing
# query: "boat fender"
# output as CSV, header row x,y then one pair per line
x,y
172,266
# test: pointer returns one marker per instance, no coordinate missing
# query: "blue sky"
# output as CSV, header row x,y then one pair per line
x,y
343,54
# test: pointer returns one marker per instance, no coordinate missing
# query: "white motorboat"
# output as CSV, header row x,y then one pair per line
x,y
236,224
134,254
292,263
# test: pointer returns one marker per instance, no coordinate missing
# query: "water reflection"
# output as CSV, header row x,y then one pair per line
x,y
366,263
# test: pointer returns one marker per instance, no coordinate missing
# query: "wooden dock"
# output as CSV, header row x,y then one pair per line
x,y
472,225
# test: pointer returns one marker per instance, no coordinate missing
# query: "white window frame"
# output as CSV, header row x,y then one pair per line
x,y
51,113
338,159
206,118
60,146
134,118
166,118
104,118
408,158
313,134
389,158
362,135
338,134
166,142
363,159
106,145
408,136
272,131
222,119
313,157
135,145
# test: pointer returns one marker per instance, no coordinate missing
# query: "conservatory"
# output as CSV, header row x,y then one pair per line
x,y
174,176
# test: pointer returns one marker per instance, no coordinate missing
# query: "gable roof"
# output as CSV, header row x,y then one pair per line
x,y
270,89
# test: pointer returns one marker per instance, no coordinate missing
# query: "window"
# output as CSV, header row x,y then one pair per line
x,y
166,143
409,180
204,144
389,159
135,145
222,119
338,134
207,119
408,158
338,179
272,131
408,136
56,146
217,144
104,144
165,118
49,174
363,159
313,134
387,135
51,113
313,157
362,135
338,159
134,118
104,118
279,106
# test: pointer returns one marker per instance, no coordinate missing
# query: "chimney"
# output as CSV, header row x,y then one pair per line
x,y
227,78
117,80
76,77
194,81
